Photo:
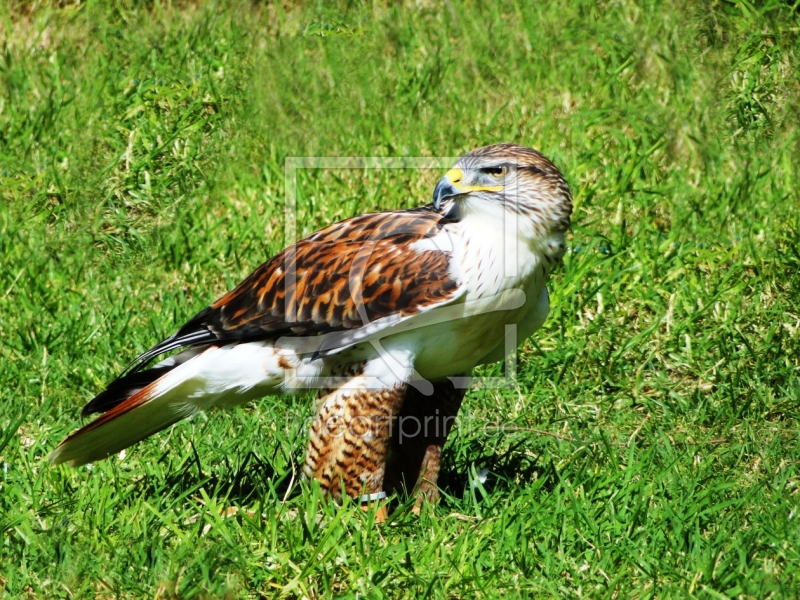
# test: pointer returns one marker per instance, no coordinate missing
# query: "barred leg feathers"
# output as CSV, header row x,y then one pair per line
x,y
351,433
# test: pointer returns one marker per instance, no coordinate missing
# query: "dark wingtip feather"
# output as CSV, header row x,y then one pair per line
x,y
123,388
129,383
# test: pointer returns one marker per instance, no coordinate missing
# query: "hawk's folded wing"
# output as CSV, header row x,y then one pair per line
x,y
344,277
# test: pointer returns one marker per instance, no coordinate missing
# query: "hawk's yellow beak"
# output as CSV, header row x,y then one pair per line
x,y
452,184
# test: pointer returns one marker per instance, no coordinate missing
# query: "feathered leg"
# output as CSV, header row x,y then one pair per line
x,y
350,436
419,434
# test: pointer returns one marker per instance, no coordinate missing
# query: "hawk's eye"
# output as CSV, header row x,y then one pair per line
x,y
497,172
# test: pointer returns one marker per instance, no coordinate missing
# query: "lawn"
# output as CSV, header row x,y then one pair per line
x,y
649,446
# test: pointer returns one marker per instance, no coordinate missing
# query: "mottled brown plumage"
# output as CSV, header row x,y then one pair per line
x,y
333,269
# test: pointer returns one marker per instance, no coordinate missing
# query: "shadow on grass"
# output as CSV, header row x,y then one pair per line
x,y
501,473
253,478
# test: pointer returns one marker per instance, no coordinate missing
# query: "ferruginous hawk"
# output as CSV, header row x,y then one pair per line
x,y
385,314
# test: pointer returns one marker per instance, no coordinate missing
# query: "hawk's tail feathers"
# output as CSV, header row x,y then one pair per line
x,y
140,415
170,391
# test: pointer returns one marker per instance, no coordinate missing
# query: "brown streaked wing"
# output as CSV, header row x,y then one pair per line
x,y
372,252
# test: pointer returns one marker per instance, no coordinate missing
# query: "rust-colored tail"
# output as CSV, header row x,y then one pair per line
x,y
133,407
138,417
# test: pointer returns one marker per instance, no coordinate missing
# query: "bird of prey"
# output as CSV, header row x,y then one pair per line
x,y
385,314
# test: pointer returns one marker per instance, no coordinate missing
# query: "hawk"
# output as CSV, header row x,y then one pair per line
x,y
385,314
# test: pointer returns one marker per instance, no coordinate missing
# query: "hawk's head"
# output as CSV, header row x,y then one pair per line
x,y
520,179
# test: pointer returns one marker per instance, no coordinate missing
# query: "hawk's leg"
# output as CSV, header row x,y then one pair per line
x,y
418,436
350,435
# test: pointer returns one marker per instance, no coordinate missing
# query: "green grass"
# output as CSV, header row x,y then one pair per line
x,y
650,448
